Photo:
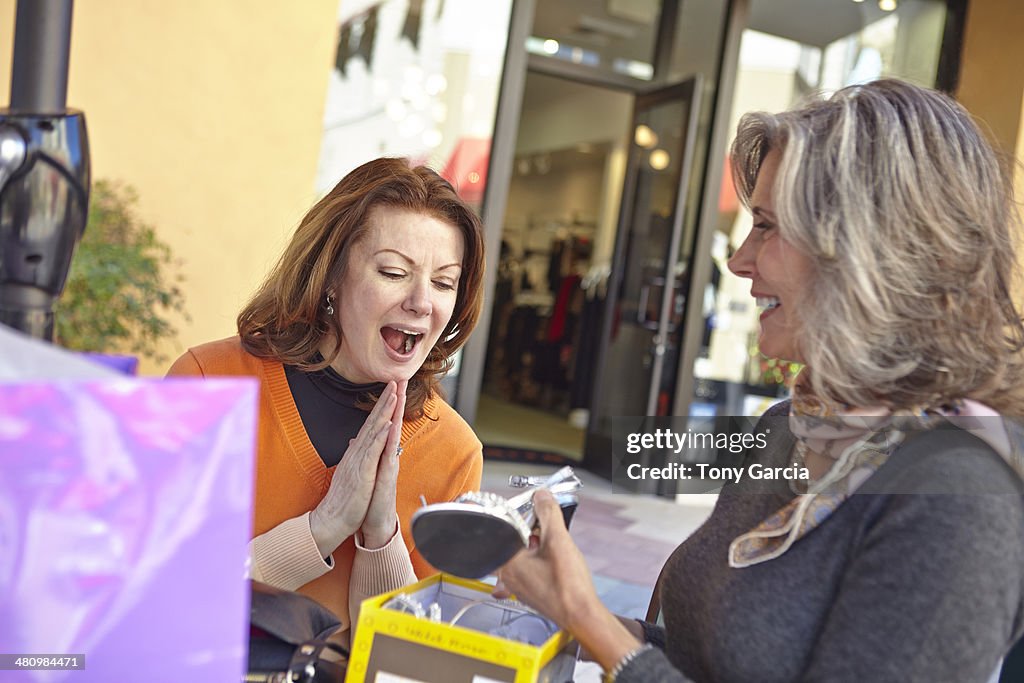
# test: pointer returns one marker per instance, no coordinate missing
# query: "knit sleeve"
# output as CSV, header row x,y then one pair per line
x,y
650,666
286,556
653,634
378,571
934,591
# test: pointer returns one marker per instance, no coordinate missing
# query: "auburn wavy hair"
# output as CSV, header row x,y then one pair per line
x,y
908,217
286,319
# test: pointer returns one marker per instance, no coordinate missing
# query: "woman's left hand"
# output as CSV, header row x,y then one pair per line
x,y
552,575
381,521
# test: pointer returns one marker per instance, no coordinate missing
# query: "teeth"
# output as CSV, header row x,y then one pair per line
x,y
767,302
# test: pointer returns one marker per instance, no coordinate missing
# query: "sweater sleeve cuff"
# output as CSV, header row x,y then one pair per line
x,y
650,665
382,569
287,556
653,634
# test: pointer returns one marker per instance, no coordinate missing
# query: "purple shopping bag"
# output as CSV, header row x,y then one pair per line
x,y
125,513
126,365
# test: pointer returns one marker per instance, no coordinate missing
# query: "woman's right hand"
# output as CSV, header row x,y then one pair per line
x,y
552,577
343,509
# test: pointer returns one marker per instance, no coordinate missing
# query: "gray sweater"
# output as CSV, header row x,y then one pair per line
x,y
923,585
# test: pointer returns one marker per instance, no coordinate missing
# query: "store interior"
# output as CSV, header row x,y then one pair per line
x,y
553,266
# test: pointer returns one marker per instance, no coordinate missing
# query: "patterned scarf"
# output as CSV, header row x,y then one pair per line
x,y
859,440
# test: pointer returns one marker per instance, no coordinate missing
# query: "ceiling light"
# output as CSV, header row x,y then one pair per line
x,y
551,46
887,5
659,160
645,137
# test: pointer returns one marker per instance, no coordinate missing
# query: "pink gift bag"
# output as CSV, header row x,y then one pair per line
x,y
125,513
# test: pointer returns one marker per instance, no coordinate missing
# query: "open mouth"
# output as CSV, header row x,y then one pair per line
x,y
400,340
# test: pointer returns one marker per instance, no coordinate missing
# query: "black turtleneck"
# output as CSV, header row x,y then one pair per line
x,y
326,402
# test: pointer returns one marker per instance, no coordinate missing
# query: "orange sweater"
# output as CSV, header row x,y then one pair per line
x,y
441,458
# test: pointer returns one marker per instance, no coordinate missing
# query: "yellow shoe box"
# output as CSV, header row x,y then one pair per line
x,y
475,639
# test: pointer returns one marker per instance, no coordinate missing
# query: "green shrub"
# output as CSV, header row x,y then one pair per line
x,y
123,283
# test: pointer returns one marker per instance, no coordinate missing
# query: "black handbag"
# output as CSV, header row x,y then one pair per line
x,y
288,639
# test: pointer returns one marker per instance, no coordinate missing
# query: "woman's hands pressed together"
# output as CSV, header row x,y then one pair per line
x,y
381,519
362,491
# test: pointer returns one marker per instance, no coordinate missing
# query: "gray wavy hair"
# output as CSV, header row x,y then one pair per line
x,y
909,219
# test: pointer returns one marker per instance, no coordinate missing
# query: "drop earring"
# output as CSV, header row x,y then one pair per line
x,y
330,306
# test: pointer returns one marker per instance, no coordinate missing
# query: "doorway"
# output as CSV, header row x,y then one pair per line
x,y
591,280
556,233
557,243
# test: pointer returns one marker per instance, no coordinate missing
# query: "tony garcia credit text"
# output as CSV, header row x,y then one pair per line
x,y
666,439
703,470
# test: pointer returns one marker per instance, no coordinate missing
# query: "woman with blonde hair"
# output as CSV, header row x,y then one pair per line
x,y
349,336
883,255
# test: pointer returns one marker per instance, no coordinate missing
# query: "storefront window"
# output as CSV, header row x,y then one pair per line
x,y
415,78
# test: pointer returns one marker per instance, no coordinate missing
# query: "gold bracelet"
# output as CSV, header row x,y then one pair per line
x,y
624,662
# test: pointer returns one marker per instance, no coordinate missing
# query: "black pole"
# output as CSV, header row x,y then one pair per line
x,y
44,170
42,44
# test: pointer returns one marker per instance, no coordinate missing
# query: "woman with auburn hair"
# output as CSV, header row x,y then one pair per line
x,y
882,256
349,336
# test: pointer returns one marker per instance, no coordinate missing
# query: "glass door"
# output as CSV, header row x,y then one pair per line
x,y
644,312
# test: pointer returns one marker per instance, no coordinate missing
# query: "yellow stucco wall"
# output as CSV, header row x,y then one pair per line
x,y
1020,153
991,77
992,80
213,111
